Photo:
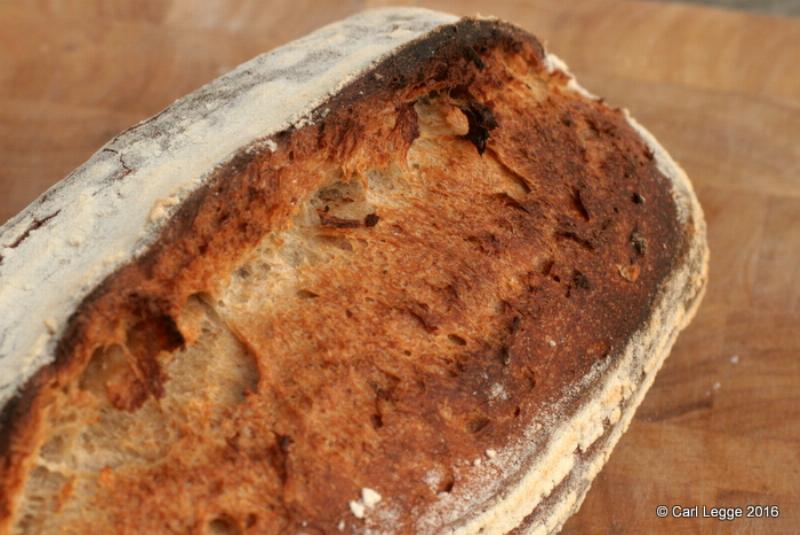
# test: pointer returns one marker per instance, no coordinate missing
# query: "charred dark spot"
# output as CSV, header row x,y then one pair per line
x,y
637,198
306,294
284,441
456,339
580,206
371,220
481,121
377,421
505,355
579,280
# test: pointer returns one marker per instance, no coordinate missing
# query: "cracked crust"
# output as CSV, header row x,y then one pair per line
x,y
454,283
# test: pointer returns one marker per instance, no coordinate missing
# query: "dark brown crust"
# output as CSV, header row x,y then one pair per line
x,y
208,234
575,483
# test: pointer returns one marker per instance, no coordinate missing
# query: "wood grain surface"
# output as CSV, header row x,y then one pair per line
x,y
721,89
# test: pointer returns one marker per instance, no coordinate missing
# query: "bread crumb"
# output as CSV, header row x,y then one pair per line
x,y
51,326
551,343
341,525
490,453
432,478
498,392
629,273
717,385
370,497
161,207
303,122
735,360
476,462
357,508
271,145
615,415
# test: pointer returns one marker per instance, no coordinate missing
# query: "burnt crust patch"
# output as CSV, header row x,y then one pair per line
x,y
481,123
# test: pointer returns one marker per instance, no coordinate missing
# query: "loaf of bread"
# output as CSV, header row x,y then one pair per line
x,y
403,275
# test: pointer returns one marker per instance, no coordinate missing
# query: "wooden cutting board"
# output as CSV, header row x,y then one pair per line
x,y
721,425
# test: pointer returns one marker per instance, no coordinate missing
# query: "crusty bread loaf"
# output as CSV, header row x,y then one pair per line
x,y
403,275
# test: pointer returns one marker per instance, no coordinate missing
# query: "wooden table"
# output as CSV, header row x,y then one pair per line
x,y
721,425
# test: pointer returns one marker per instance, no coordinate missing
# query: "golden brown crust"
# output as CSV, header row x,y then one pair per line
x,y
540,237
